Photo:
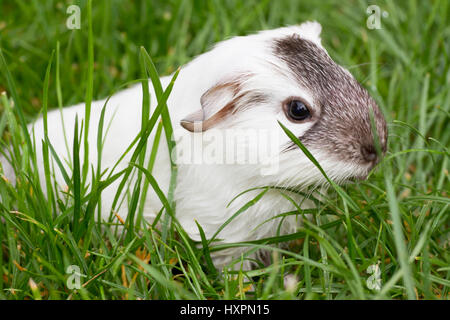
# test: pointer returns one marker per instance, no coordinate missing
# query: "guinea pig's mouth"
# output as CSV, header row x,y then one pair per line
x,y
360,178
357,178
361,173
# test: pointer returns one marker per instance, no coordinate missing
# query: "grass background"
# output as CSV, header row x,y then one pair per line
x,y
398,219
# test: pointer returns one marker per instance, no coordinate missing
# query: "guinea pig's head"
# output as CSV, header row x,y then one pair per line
x,y
285,75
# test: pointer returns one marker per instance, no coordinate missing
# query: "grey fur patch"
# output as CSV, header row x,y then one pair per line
x,y
344,126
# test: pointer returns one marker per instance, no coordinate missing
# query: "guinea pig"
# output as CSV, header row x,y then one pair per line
x,y
241,89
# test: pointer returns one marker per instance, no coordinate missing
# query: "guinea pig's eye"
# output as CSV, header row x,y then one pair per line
x,y
296,110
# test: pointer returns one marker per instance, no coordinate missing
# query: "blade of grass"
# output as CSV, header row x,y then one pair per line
x,y
89,91
398,236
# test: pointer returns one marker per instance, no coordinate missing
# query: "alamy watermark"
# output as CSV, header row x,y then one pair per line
x,y
259,147
374,281
375,14
74,20
73,282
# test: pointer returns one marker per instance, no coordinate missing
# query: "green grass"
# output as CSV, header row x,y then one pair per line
x,y
398,219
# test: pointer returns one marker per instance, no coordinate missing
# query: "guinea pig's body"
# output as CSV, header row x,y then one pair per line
x,y
245,83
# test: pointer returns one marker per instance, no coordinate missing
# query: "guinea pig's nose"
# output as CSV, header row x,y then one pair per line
x,y
369,153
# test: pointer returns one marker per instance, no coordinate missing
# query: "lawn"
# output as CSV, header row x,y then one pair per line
x,y
393,228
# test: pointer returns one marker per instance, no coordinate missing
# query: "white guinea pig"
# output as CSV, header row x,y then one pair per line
x,y
244,85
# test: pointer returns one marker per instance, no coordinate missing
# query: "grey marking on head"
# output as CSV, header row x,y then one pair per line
x,y
344,124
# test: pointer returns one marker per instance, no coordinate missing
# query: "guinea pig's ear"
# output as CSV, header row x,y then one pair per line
x,y
217,103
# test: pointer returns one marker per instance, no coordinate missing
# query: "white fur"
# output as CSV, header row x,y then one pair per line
x,y
203,191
